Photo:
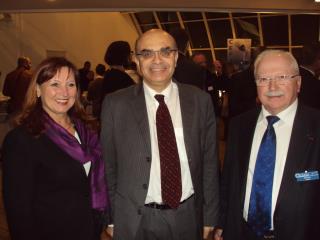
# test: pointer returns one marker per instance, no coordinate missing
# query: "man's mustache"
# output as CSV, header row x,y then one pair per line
x,y
277,93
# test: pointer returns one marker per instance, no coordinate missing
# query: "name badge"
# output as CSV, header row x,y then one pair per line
x,y
307,176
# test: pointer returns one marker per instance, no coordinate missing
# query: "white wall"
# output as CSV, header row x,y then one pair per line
x,y
84,36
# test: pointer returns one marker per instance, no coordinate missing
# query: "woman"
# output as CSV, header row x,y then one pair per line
x,y
53,172
117,56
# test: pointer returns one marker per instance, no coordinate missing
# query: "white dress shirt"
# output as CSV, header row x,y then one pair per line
x,y
283,129
87,165
171,98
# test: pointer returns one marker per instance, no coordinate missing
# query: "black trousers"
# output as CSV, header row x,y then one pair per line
x,y
248,234
169,224
99,223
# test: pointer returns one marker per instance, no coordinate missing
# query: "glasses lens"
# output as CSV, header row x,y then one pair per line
x,y
165,52
147,53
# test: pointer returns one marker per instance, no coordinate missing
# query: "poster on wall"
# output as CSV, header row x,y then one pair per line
x,y
239,52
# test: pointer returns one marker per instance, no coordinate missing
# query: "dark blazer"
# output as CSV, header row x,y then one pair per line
x,y
114,80
127,152
188,72
15,86
46,192
297,211
310,89
242,92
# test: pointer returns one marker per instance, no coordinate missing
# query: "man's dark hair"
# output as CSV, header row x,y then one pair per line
x,y
310,53
196,53
100,69
181,37
22,62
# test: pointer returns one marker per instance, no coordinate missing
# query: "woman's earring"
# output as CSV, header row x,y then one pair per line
x,y
38,93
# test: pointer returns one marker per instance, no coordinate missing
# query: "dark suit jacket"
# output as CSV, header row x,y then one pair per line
x,y
127,152
310,89
15,86
242,92
114,80
95,94
190,73
297,211
46,192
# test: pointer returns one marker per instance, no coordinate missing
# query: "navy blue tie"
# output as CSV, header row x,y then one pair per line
x,y
259,215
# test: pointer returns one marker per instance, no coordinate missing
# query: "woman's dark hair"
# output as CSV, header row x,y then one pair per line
x,y
100,69
118,53
31,114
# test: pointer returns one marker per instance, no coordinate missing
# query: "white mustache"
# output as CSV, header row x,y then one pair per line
x,y
274,93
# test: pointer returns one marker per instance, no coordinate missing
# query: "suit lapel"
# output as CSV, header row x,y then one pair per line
x,y
301,139
187,113
138,104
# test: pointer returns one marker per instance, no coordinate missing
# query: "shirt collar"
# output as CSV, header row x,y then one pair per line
x,y
286,116
167,92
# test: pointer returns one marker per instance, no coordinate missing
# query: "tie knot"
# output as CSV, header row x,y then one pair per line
x,y
272,119
159,97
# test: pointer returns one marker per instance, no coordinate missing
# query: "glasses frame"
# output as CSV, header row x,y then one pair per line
x,y
163,52
280,80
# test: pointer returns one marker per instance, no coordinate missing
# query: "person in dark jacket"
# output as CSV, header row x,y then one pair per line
x,y
117,57
16,84
310,71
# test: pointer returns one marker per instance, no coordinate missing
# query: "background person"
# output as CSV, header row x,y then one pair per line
x,y
16,84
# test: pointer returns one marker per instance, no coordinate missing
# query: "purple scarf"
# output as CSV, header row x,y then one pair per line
x,y
88,150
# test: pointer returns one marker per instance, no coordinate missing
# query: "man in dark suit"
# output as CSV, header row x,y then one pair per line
x,y
16,84
242,88
84,76
211,86
285,206
134,155
310,72
243,92
186,70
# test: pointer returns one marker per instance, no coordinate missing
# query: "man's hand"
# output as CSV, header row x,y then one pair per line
x,y
218,234
206,232
109,231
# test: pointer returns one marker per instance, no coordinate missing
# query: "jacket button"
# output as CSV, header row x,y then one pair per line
x,y
148,159
139,211
145,186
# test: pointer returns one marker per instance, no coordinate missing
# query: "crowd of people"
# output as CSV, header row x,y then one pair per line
x,y
143,165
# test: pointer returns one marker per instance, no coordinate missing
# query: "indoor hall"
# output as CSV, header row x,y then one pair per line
x,y
81,31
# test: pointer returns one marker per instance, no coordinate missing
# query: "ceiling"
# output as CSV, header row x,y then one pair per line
x,y
294,6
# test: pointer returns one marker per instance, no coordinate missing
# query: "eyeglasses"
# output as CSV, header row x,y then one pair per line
x,y
163,52
280,79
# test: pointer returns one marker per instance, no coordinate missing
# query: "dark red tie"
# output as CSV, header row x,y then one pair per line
x,y
171,188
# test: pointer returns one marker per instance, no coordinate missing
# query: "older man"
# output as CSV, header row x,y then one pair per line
x,y
160,150
271,187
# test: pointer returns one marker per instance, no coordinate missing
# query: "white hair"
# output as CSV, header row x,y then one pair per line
x,y
276,52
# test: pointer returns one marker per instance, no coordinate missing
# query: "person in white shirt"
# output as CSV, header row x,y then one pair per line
x,y
134,156
292,211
